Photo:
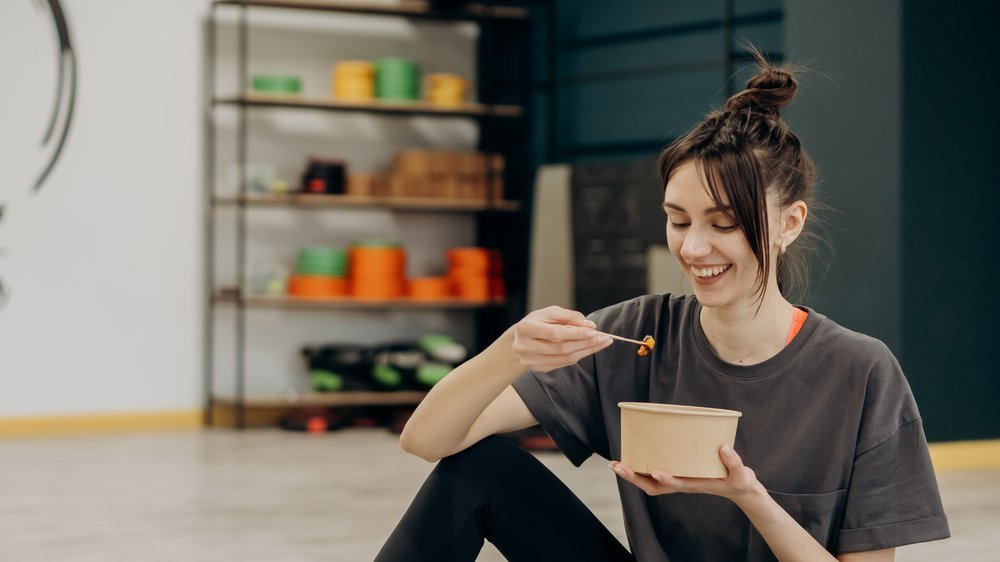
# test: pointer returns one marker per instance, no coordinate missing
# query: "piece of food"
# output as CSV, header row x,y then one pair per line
x,y
647,345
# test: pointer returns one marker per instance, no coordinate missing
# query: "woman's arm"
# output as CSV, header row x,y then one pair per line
x,y
475,399
786,538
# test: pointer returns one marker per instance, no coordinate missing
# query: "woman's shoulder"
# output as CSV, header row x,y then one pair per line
x,y
864,351
834,334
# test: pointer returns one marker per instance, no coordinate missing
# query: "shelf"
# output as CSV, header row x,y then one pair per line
x,y
407,8
313,201
325,399
347,303
475,110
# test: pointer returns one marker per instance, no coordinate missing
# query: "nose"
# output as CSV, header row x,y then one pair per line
x,y
695,245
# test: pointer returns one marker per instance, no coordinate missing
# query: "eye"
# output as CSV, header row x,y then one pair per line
x,y
680,225
726,228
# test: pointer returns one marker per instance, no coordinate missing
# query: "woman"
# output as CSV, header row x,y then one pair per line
x,y
830,460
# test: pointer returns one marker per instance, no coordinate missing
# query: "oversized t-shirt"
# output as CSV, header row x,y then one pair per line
x,y
829,427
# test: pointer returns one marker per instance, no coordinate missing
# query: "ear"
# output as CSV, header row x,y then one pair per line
x,y
793,219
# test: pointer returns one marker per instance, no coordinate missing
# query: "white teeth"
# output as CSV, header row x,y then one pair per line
x,y
709,272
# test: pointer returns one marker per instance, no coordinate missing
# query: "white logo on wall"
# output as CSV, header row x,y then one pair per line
x,y
56,132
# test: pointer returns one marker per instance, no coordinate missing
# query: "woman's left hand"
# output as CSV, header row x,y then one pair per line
x,y
740,483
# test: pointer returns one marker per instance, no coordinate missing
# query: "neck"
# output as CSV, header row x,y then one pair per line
x,y
746,335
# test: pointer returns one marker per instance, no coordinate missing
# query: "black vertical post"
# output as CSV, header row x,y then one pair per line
x,y
483,318
552,45
208,336
241,226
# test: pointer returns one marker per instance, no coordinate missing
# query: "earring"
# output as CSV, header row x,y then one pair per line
x,y
781,250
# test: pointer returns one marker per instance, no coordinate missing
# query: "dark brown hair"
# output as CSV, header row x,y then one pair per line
x,y
742,151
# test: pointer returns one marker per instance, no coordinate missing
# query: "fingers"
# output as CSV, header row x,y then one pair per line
x,y
729,458
542,347
548,361
658,483
558,332
555,337
559,315
739,483
645,483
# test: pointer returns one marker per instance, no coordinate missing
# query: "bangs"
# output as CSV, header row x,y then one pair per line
x,y
732,175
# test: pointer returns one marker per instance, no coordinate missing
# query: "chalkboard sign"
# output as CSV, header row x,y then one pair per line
x,y
617,215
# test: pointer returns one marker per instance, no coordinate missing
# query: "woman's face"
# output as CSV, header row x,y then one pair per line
x,y
711,249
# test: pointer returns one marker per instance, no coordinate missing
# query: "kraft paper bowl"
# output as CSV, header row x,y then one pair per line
x,y
677,440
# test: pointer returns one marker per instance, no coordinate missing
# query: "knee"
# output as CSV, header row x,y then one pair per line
x,y
491,455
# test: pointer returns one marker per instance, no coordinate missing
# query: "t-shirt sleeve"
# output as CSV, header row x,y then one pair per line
x,y
893,496
566,404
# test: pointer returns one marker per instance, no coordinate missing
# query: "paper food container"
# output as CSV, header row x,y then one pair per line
x,y
677,440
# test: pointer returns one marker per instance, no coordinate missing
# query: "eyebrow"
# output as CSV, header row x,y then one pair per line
x,y
716,209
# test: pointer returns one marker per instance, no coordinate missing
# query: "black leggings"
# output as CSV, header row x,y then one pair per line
x,y
495,490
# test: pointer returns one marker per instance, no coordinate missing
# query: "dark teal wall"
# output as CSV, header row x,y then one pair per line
x,y
635,73
898,109
951,201
848,115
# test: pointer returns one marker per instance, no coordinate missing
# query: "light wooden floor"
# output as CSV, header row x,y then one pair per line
x,y
274,496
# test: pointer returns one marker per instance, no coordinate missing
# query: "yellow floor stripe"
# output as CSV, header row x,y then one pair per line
x,y
966,455
91,423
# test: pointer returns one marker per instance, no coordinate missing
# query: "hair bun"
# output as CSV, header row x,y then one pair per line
x,y
768,91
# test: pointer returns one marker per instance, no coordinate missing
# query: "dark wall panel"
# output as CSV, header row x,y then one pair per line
x,y
636,74
597,17
641,108
951,193
848,115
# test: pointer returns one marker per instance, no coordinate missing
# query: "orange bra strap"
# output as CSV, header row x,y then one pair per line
x,y
797,321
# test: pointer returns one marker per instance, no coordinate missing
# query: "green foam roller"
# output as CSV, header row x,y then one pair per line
x,y
326,381
430,374
430,342
387,376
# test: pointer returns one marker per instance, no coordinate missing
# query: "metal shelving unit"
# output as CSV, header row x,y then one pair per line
x,y
232,296
513,139
419,204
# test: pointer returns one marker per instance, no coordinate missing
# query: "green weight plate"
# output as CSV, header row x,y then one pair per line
x,y
277,84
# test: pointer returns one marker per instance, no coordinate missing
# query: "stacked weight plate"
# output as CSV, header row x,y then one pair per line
x,y
397,79
377,270
273,84
354,81
446,90
320,273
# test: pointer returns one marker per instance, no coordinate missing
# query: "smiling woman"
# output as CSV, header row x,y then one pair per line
x,y
828,418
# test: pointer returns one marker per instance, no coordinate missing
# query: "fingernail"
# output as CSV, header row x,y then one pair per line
x,y
656,475
619,470
727,450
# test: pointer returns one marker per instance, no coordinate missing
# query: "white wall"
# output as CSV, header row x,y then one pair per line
x,y
104,265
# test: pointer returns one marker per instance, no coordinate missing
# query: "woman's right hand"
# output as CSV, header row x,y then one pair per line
x,y
554,337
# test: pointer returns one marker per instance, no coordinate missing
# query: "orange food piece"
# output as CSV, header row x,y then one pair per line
x,y
648,344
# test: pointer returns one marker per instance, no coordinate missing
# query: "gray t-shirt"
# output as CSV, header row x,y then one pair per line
x,y
829,427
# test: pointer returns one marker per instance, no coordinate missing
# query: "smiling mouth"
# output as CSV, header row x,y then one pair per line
x,y
709,272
